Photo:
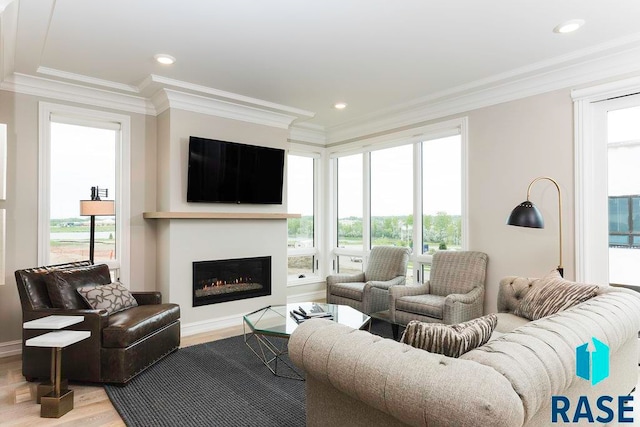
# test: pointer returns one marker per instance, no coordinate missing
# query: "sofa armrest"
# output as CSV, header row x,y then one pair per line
x,y
459,308
147,298
511,290
411,385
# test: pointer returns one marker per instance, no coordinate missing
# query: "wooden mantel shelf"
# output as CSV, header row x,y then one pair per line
x,y
217,215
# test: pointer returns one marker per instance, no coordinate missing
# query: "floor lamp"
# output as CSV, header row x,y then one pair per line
x,y
96,207
526,214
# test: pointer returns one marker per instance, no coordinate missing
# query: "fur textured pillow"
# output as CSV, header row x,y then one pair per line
x,y
552,294
450,340
112,297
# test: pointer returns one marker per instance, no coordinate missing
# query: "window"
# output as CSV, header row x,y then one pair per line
x,y
382,190
624,221
80,149
81,157
392,196
301,198
607,154
350,193
441,194
623,149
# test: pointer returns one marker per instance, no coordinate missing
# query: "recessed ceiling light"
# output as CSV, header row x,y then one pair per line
x,y
164,59
340,105
569,26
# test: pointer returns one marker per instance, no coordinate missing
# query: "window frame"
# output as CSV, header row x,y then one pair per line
x,y
48,113
591,106
302,151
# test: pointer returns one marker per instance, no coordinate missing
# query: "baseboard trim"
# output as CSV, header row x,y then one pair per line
x,y
10,348
193,328
316,296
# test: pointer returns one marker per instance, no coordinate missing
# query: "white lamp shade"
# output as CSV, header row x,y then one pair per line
x,y
97,207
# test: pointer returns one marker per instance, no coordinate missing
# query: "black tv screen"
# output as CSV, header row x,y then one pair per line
x,y
229,172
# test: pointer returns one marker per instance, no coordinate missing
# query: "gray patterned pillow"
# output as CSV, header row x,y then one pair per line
x,y
450,340
112,297
552,294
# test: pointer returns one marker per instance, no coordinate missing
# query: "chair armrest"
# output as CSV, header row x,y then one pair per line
x,y
462,307
396,292
396,281
344,278
147,298
402,291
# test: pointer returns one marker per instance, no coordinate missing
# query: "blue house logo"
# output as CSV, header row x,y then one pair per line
x,y
592,365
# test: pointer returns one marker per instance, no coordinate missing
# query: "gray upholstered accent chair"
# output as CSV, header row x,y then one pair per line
x,y
368,292
453,294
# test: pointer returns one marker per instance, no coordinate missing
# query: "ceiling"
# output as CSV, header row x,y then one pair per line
x,y
375,55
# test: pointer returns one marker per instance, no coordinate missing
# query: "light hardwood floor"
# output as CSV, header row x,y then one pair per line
x,y
91,408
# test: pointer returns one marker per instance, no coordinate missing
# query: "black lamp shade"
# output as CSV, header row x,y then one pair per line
x,y
526,214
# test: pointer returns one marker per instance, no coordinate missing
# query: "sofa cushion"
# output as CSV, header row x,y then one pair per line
x,y
450,340
62,285
351,290
507,322
424,305
552,294
130,325
112,297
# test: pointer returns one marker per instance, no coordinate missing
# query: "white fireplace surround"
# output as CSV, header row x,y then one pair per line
x,y
183,241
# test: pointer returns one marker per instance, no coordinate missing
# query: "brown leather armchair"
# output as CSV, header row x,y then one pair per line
x,y
122,344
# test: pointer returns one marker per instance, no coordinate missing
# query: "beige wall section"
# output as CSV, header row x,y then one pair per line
x,y
181,242
20,113
184,124
510,144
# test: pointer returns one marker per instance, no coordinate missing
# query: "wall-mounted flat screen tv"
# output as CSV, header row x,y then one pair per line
x,y
229,172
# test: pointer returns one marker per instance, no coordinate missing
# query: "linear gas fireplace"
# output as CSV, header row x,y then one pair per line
x,y
231,279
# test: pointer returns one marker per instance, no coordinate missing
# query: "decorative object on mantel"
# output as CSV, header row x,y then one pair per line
x,y
526,214
218,215
96,207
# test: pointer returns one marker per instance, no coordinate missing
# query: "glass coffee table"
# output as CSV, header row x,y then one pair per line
x,y
267,330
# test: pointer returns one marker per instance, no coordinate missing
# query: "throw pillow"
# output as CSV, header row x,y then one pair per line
x,y
552,294
450,340
112,297
62,284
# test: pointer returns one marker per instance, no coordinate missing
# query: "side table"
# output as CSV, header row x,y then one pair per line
x,y
55,397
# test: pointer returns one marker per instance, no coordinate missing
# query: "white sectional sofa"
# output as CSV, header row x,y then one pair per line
x,y
358,379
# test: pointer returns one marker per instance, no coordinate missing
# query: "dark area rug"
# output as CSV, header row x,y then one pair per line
x,y
221,383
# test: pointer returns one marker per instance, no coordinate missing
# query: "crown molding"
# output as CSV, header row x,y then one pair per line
x,y
583,67
4,4
307,133
8,34
607,90
45,88
220,108
154,82
88,80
